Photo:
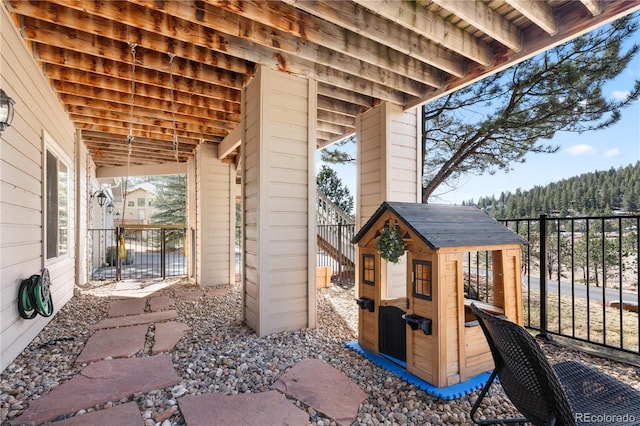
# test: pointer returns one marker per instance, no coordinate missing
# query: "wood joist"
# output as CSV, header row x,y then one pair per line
x,y
360,52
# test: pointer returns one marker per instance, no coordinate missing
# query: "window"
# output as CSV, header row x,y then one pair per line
x,y
149,203
368,269
422,279
141,202
131,203
141,214
57,205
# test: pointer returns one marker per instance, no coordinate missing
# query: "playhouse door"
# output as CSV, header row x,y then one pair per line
x,y
420,342
392,338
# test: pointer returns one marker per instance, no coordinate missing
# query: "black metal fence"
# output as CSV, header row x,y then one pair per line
x,y
580,278
143,252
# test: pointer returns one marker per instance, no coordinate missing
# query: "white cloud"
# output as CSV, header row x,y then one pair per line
x,y
620,94
581,149
614,152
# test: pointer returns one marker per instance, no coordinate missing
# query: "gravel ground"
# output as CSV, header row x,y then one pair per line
x,y
220,355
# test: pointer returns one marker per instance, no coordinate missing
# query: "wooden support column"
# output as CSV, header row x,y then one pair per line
x,y
279,231
215,218
388,168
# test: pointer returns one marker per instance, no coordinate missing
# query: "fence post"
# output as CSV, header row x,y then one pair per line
x,y
340,253
543,278
163,263
119,232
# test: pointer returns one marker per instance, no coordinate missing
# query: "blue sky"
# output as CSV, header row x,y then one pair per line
x,y
615,147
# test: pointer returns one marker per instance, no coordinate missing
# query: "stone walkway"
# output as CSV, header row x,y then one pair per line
x,y
116,369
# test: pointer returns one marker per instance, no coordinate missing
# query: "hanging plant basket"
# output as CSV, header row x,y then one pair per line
x,y
390,244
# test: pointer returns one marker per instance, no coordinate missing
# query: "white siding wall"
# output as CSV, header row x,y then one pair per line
x,y
82,217
191,214
279,219
21,191
389,165
215,218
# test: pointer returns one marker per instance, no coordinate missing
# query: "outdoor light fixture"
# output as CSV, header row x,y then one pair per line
x,y
6,110
101,196
116,215
110,207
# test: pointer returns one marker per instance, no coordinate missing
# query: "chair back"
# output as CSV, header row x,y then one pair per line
x,y
524,372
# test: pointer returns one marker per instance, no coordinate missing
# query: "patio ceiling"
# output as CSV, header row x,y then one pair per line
x,y
361,52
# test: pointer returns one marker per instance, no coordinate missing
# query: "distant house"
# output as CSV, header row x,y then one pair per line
x,y
138,205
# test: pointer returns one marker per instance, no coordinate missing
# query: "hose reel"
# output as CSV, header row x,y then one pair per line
x,y
34,296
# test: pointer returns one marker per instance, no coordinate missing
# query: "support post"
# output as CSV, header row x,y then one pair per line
x,y
543,278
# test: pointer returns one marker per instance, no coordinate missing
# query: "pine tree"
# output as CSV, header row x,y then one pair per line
x,y
328,182
497,121
171,200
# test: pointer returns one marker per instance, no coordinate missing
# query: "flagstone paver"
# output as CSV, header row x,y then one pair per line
x,y
324,388
161,303
124,414
114,342
264,408
168,334
100,382
122,307
146,318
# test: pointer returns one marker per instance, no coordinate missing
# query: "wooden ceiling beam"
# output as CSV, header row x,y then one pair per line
x,y
325,43
486,20
352,17
187,113
429,25
337,106
335,129
537,12
594,6
339,119
106,158
183,70
183,130
148,95
193,139
157,152
200,107
349,96
571,23
121,144
155,132
33,30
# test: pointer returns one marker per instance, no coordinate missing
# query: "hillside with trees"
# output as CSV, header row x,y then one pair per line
x,y
601,193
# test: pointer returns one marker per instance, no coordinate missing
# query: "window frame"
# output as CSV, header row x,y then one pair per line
x,y
50,146
415,293
372,257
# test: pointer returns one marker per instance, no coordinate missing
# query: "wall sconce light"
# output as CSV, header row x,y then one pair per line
x,y
116,215
101,196
110,207
6,110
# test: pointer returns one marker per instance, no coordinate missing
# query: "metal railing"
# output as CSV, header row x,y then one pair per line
x,y
335,250
580,278
152,251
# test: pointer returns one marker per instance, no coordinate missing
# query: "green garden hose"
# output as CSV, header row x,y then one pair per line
x,y
34,296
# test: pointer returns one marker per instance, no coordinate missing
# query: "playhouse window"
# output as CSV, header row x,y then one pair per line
x,y
368,269
422,279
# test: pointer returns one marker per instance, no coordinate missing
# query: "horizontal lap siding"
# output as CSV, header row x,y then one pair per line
x,y
251,203
21,190
285,203
214,217
276,202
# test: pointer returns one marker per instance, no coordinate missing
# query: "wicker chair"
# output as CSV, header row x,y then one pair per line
x,y
566,393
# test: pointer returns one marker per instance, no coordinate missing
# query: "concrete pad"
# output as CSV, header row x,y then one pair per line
x,y
189,294
122,307
101,382
123,414
324,388
264,408
161,303
168,334
114,342
147,318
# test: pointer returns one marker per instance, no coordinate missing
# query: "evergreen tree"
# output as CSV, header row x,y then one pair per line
x,y
497,121
328,182
171,200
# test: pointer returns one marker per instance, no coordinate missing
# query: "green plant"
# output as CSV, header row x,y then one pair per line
x,y
390,244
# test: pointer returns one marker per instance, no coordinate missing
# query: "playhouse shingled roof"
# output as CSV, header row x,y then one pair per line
x,y
440,225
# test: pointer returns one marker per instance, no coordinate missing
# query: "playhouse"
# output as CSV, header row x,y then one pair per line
x,y
417,312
